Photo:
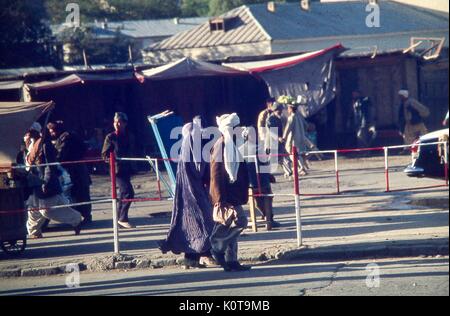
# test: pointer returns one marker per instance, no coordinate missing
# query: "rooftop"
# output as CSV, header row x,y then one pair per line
x,y
139,28
332,20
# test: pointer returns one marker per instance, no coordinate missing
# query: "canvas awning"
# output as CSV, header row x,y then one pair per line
x,y
187,68
75,79
11,85
311,75
15,119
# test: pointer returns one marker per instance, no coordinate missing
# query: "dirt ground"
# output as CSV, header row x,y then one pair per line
x,y
362,216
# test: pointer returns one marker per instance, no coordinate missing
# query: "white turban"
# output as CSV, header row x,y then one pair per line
x,y
404,93
231,155
302,100
227,120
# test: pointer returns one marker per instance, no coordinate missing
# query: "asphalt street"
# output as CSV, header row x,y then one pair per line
x,y
383,277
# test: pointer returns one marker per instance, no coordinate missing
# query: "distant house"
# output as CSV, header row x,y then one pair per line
x,y
142,33
148,32
262,29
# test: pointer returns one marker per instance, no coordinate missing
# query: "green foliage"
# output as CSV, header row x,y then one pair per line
x,y
193,8
83,38
25,38
117,10
114,10
217,7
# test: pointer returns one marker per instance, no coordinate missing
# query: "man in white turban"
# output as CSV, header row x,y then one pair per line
x,y
229,191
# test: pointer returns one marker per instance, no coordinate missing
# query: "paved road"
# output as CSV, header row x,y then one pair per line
x,y
405,276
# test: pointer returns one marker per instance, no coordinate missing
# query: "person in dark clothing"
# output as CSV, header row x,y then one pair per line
x,y
362,120
260,182
228,191
192,217
120,142
70,147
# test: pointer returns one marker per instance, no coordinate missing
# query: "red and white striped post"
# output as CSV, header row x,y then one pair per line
x,y
297,196
446,163
386,167
112,170
336,169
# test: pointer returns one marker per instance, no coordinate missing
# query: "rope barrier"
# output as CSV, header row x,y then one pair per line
x,y
296,194
38,209
53,164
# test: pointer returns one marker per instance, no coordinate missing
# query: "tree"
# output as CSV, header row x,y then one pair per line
x,y
193,8
115,10
218,7
77,40
25,36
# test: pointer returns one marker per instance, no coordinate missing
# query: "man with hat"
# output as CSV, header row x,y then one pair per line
x,y
411,117
120,142
295,134
274,142
262,119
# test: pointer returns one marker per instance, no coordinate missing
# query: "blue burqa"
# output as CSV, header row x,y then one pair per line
x,y
192,220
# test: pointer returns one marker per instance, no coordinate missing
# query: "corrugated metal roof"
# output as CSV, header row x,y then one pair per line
x,y
344,19
97,31
156,28
289,22
139,28
244,29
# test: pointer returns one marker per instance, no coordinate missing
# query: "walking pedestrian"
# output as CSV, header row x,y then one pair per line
x,y
295,135
70,147
48,194
274,142
192,217
229,191
411,117
260,182
120,142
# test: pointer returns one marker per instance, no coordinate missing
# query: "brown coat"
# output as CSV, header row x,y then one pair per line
x,y
221,190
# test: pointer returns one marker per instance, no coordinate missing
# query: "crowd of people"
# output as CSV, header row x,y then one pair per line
x,y
207,216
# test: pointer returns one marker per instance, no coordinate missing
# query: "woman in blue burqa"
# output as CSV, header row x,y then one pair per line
x,y
192,217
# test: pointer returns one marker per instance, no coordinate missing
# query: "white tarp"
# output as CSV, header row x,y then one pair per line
x,y
311,75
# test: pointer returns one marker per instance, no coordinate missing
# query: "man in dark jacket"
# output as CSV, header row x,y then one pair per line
x,y
120,142
228,189
362,120
70,147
